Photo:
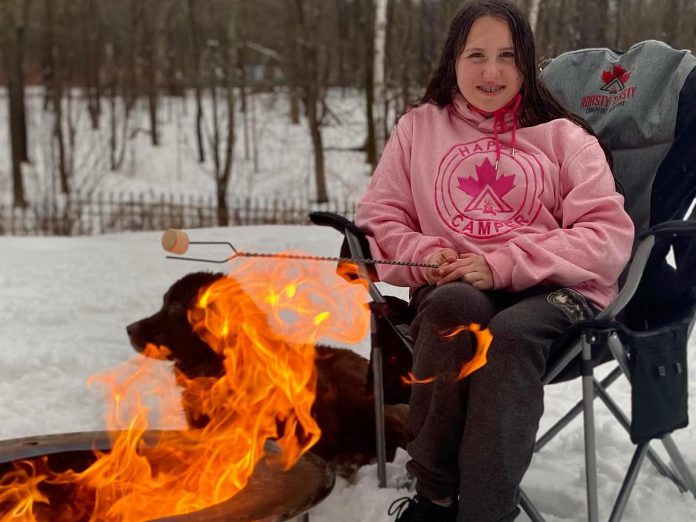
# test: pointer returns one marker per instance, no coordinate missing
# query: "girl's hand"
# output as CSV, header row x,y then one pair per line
x,y
470,268
440,258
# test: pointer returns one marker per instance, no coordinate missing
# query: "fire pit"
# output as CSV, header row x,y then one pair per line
x,y
271,495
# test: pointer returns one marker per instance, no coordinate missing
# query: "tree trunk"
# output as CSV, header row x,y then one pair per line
x,y
215,136
406,45
155,41
379,83
293,66
308,59
231,61
318,146
195,43
367,35
152,98
22,117
370,144
243,18
11,32
56,88
93,60
224,176
534,14
590,23
341,43
613,23
294,105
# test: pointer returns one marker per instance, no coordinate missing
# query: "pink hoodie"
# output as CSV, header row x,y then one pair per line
x,y
550,214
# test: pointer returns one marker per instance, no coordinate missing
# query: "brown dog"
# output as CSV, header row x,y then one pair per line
x,y
343,408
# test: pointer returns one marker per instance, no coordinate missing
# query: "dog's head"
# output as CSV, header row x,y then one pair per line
x,y
170,327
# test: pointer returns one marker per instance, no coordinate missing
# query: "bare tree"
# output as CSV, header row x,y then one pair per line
x,y
13,21
308,16
55,74
155,15
93,49
379,80
367,27
534,13
220,62
197,87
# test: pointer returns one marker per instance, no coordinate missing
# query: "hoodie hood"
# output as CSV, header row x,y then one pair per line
x,y
502,120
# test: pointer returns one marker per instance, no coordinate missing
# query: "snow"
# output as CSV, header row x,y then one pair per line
x,y
283,169
65,305
65,302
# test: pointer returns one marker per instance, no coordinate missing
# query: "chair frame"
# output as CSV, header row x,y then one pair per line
x,y
680,474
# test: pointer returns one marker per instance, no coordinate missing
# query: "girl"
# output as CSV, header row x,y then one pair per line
x,y
512,197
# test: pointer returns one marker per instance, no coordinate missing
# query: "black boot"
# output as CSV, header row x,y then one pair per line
x,y
421,509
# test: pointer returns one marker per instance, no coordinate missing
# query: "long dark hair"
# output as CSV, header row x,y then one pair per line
x,y
538,104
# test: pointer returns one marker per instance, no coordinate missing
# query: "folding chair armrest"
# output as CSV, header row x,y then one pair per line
x,y
335,221
635,273
355,246
674,227
640,261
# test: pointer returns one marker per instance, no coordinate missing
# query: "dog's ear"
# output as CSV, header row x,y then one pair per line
x,y
201,278
185,290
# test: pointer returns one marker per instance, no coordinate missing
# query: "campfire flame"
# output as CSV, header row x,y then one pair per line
x,y
20,490
265,321
483,343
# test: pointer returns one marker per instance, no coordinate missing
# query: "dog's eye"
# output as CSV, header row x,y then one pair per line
x,y
175,309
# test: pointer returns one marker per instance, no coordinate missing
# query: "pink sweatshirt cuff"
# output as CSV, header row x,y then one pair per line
x,y
501,266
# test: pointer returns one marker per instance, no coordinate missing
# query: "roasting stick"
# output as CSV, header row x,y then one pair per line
x,y
177,242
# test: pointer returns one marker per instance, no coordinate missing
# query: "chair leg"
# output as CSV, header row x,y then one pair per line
x,y
659,464
600,389
686,478
628,482
679,463
378,384
529,508
568,417
590,446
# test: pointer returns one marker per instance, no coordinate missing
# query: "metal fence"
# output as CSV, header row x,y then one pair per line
x,y
105,213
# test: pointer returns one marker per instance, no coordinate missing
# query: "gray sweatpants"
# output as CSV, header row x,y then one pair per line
x,y
475,437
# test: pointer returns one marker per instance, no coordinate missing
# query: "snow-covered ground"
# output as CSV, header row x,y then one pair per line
x,y
65,302
64,306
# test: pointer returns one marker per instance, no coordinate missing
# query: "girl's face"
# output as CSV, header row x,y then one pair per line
x,y
487,75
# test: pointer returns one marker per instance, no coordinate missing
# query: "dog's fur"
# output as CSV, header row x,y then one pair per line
x,y
343,409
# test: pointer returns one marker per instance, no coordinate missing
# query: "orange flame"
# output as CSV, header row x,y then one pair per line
x,y
156,352
19,489
264,321
483,342
412,379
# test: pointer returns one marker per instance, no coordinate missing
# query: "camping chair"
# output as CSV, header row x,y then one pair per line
x,y
642,103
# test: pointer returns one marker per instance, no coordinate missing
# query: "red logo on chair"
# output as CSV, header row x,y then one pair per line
x,y
475,199
615,80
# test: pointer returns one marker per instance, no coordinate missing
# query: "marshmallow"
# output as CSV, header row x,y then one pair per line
x,y
175,241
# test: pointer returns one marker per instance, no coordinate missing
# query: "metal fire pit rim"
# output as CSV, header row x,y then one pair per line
x,y
36,446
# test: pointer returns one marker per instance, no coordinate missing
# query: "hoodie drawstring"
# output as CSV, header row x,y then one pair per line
x,y
499,123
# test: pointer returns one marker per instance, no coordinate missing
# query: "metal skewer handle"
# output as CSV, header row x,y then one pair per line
x,y
177,242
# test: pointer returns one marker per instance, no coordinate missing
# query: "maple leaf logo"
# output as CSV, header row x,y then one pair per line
x,y
617,72
615,80
487,191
